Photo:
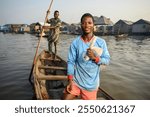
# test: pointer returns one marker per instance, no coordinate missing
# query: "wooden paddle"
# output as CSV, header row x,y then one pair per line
x,y
34,60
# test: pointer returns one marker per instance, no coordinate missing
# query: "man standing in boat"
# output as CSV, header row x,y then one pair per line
x,y
87,52
53,37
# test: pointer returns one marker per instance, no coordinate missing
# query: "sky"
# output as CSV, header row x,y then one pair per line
x,y
31,11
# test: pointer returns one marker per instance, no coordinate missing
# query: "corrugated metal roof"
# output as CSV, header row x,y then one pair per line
x,y
102,20
142,21
124,22
96,19
128,22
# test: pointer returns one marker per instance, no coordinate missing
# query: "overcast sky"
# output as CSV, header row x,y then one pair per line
x,y
30,11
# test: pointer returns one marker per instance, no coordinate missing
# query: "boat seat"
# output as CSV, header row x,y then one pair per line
x,y
52,67
52,77
50,59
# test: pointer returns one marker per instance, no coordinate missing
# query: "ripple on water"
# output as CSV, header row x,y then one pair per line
x,y
127,76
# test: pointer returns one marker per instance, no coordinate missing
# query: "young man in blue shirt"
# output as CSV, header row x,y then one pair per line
x,y
84,62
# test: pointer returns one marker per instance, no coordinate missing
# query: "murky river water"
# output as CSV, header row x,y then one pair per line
x,y
127,76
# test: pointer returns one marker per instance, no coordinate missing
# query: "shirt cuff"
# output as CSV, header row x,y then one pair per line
x,y
97,59
70,77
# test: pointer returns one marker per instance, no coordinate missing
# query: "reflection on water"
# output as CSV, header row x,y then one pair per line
x,y
140,37
127,76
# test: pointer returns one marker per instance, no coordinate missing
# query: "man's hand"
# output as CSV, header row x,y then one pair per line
x,y
48,12
69,86
91,54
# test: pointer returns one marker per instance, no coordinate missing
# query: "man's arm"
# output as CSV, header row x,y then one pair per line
x,y
105,57
48,27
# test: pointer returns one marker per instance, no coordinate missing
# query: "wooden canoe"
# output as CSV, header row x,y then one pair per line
x,y
50,77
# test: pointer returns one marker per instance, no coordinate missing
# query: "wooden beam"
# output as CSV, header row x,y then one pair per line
x,y
52,77
52,67
50,59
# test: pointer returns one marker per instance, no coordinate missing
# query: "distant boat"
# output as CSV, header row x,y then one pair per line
x,y
121,36
64,32
50,77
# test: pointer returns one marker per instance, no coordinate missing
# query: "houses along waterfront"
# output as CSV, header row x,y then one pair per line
x,y
103,26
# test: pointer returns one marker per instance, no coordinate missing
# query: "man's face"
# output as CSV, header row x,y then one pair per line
x,y
56,15
87,25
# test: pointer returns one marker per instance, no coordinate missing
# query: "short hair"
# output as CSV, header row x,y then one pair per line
x,y
87,15
56,11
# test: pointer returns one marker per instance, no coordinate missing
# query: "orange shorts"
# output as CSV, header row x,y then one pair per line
x,y
85,95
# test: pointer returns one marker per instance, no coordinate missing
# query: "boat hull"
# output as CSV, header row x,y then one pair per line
x,y
50,77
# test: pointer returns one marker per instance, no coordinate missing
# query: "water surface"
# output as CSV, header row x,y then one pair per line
x,y
127,76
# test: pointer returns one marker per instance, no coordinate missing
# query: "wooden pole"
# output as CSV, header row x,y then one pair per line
x,y
34,60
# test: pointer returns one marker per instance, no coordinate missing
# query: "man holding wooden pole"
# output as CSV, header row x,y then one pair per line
x,y
55,24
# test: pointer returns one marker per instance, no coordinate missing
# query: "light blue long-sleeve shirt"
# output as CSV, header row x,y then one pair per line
x,y
86,73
